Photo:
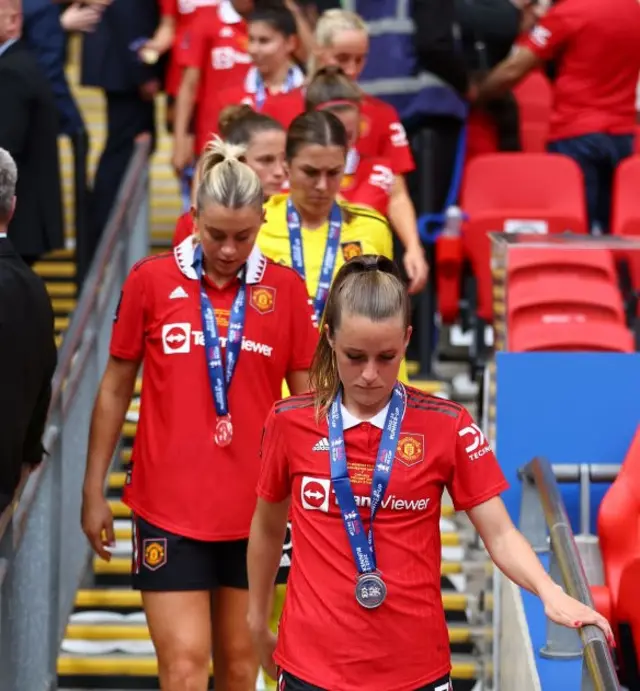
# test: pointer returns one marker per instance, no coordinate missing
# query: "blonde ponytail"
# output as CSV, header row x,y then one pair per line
x,y
226,180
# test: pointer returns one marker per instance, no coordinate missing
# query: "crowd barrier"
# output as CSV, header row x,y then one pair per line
x,y
43,553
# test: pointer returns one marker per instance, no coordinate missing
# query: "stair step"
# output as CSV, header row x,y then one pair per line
x,y
462,667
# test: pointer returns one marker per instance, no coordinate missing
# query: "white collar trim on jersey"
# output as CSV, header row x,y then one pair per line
x,y
378,420
251,80
183,253
227,13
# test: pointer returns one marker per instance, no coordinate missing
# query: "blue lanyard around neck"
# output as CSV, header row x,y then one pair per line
x,y
294,224
220,374
361,543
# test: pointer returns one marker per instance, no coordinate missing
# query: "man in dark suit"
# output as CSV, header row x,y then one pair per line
x,y
27,351
110,63
29,131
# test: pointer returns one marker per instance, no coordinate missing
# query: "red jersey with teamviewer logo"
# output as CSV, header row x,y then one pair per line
x,y
217,46
597,47
181,481
325,637
368,184
183,13
381,132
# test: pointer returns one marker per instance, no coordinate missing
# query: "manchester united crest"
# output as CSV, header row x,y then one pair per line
x,y
154,553
263,299
410,449
351,250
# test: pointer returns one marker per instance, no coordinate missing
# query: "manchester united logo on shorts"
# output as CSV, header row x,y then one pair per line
x,y
154,553
410,449
351,250
263,299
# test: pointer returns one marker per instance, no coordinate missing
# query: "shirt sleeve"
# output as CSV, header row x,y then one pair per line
x,y
274,484
303,329
475,476
192,51
169,8
127,335
550,33
395,145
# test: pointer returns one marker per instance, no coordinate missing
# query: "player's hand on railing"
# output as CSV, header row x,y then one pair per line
x,y
566,611
97,525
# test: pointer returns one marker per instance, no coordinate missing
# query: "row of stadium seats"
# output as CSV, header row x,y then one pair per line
x,y
619,537
539,194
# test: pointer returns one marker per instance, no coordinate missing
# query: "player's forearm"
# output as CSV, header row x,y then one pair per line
x,y
263,561
185,101
106,427
513,555
402,215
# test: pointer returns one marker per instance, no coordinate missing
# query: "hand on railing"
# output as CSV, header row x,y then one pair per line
x,y
97,525
567,611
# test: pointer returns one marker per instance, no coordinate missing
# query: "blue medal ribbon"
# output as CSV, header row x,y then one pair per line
x,y
330,252
220,374
261,88
361,543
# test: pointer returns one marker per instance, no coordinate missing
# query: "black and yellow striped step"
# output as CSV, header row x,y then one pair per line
x,y
463,666
126,599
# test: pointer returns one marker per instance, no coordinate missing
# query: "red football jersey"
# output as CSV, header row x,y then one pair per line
x,y
181,480
184,229
244,92
381,132
369,183
183,13
325,637
595,88
217,45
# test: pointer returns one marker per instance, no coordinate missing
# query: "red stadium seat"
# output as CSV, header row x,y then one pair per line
x,y
625,214
619,534
534,97
499,188
564,333
528,261
559,297
449,261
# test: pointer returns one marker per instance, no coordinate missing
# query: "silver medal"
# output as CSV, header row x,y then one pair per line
x,y
371,590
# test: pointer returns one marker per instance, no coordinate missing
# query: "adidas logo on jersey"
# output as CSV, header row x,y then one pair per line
x,y
179,292
322,445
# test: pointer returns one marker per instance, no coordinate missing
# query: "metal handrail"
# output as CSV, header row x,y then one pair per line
x,y
597,655
79,322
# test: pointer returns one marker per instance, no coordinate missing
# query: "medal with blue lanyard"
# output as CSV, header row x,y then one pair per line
x,y
371,590
220,372
330,253
261,88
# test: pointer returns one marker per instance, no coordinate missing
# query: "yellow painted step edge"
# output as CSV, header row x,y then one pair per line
x,y
121,566
130,666
140,632
131,599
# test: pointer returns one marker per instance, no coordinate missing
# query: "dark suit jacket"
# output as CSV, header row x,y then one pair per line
x,y
107,60
27,362
45,36
29,131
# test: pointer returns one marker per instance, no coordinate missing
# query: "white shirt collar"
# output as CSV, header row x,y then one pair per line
x,y
378,420
183,253
251,80
227,13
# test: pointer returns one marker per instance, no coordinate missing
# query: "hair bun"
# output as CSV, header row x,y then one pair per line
x,y
218,151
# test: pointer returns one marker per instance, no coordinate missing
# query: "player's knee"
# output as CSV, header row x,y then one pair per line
x,y
240,669
184,671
